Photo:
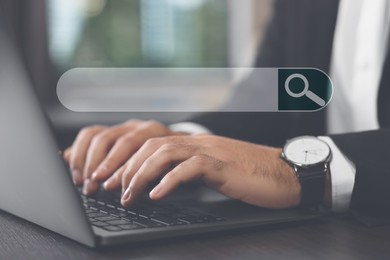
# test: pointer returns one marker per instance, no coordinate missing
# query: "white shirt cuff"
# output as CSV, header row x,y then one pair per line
x,y
342,173
189,127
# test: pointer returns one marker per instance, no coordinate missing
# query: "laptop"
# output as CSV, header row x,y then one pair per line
x,y
36,185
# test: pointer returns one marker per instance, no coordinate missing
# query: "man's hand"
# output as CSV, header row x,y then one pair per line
x,y
252,173
99,151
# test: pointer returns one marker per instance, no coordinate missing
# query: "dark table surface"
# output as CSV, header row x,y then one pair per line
x,y
326,238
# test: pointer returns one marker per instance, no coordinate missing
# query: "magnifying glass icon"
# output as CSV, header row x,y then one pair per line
x,y
305,92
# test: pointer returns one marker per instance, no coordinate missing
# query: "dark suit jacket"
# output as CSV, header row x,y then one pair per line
x,y
300,34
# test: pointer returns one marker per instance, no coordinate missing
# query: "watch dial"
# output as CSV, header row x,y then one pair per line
x,y
306,151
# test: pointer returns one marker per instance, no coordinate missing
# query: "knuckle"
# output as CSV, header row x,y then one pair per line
x,y
152,142
151,124
173,176
169,148
86,131
128,138
132,122
90,130
155,127
218,165
139,177
100,139
149,162
109,163
199,158
209,139
204,159
125,178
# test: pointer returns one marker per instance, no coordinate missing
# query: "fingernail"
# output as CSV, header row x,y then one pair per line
x,y
86,187
126,196
107,184
95,175
76,176
97,172
156,191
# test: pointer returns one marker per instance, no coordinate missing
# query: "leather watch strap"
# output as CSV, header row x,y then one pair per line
x,y
312,186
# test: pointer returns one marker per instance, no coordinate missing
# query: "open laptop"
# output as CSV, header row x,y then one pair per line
x,y
35,183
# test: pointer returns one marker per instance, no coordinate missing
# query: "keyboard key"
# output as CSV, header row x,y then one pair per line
x,y
95,204
170,221
104,212
176,216
213,218
189,219
206,219
146,214
132,212
99,224
110,211
132,218
118,222
111,228
107,218
123,214
130,227
149,223
178,223
95,214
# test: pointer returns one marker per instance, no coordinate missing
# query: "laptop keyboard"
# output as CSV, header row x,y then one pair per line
x,y
107,213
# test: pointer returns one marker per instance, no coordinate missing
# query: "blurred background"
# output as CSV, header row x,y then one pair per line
x,y
57,35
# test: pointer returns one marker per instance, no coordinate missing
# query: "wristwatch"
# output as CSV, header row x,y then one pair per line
x,y
310,157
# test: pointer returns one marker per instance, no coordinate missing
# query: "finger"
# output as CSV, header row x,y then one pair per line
x,y
146,150
66,154
100,146
79,151
123,149
151,146
154,166
135,162
185,172
90,187
203,166
114,182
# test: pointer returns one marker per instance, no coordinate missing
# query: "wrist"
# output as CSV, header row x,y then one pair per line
x,y
289,176
309,157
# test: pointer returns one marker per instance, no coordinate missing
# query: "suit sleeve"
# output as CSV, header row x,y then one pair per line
x,y
370,152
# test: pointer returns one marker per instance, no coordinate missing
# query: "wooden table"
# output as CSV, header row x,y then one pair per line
x,y
327,238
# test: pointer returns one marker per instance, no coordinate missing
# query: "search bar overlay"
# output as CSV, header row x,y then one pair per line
x,y
194,89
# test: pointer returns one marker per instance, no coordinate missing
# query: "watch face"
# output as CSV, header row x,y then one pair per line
x,y
306,151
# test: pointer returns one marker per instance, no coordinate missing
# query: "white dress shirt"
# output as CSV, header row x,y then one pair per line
x,y
359,49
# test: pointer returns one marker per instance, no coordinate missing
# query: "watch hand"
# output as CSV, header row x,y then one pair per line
x,y
316,150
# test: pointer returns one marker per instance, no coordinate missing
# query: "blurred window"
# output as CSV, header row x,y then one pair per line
x,y
138,33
